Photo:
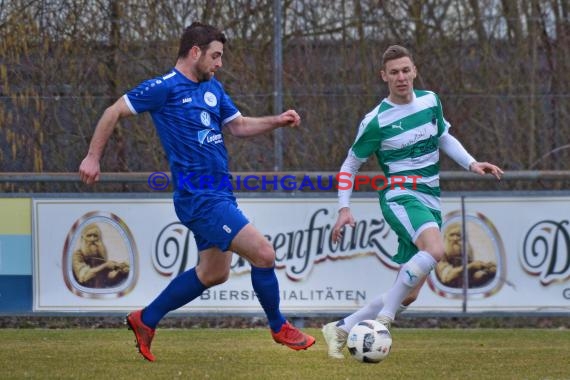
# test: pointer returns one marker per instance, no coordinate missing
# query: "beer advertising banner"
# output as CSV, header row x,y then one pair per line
x,y
118,254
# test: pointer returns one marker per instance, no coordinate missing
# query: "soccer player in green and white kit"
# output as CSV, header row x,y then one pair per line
x,y
405,132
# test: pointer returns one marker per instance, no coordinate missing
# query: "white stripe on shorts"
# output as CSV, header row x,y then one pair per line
x,y
400,213
422,228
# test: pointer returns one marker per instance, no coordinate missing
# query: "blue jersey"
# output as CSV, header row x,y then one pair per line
x,y
189,118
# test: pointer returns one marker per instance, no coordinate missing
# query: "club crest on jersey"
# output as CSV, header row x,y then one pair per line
x,y
205,118
210,99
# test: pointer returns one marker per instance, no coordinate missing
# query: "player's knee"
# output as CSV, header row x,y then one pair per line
x,y
215,278
438,255
264,257
432,244
436,251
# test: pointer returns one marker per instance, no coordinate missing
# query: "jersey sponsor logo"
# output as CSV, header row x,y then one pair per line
x,y
227,229
425,146
204,136
205,118
210,99
216,139
186,100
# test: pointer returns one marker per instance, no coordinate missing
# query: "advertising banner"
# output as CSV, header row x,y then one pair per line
x,y
15,254
118,254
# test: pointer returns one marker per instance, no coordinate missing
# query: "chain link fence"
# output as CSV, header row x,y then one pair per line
x,y
500,68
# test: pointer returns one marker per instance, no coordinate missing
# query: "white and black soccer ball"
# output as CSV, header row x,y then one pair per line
x,y
369,341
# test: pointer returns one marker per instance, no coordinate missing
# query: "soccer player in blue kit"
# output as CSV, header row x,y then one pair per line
x,y
189,108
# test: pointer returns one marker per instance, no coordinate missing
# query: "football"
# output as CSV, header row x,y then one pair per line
x,y
369,341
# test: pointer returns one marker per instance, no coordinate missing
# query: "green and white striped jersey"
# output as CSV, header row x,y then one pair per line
x,y
405,140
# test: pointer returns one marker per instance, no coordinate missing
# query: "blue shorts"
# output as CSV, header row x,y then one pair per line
x,y
214,221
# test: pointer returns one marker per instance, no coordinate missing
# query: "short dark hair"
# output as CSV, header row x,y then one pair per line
x,y
395,52
198,34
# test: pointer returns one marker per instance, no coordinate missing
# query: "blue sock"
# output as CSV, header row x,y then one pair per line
x,y
266,288
178,293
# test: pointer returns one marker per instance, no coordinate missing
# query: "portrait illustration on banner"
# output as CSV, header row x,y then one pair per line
x,y
474,262
99,257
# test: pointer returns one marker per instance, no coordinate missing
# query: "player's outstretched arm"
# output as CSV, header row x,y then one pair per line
x,y
89,169
243,126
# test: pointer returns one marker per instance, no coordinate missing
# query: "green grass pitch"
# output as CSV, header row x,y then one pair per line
x,y
205,353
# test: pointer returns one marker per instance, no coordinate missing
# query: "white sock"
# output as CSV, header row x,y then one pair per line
x,y
368,311
410,274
